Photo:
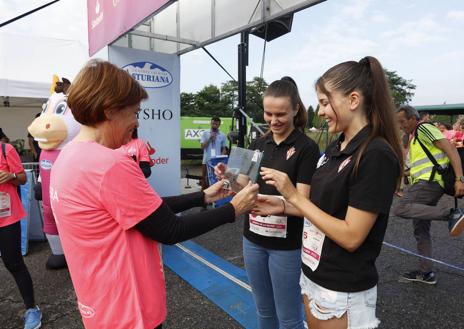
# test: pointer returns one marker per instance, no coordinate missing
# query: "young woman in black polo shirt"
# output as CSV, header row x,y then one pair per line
x,y
272,244
352,190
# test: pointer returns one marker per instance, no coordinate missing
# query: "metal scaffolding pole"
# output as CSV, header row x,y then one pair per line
x,y
242,64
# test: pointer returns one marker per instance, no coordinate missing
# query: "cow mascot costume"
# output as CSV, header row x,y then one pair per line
x,y
53,129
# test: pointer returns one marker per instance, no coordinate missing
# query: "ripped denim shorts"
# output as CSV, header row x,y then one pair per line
x,y
326,304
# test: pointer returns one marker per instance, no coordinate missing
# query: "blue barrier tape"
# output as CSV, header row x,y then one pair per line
x,y
424,257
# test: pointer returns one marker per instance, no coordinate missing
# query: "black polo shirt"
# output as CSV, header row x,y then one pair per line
x,y
299,167
335,187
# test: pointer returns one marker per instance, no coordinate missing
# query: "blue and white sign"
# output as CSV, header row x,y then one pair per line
x,y
159,117
149,75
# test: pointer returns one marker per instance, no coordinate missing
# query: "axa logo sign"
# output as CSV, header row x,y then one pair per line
x,y
149,75
193,133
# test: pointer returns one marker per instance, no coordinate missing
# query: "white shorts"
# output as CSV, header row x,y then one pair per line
x,y
326,304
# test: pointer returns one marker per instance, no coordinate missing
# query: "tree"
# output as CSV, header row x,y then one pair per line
x,y
254,93
317,121
188,105
229,95
402,90
311,115
209,103
212,101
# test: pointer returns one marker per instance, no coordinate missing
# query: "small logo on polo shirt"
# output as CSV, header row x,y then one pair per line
x,y
344,163
290,152
86,311
322,161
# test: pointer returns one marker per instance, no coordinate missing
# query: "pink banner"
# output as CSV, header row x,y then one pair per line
x,y
109,19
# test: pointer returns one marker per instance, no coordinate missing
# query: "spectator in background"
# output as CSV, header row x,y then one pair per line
x,y
3,137
137,150
11,211
458,133
213,143
420,199
34,145
446,129
425,116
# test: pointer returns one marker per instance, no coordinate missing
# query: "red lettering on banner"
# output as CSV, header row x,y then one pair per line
x,y
311,253
278,226
161,160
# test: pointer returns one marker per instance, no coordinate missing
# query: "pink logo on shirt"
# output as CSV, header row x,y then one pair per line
x,y
290,152
86,311
344,163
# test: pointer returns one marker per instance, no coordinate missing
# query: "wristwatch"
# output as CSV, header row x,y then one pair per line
x,y
14,176
460,179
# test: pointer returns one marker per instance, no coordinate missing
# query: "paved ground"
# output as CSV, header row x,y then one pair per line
x,y
400,305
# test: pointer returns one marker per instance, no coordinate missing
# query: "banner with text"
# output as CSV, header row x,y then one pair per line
x,y
159,118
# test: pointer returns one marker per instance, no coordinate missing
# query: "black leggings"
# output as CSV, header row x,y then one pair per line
x,y
10,247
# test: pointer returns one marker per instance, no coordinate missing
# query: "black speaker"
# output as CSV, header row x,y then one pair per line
x,y
275,28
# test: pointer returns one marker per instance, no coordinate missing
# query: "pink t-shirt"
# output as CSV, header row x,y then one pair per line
x,y
449,134
11,208
136,148
97,196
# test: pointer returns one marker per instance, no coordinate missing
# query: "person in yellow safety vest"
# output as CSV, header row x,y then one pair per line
x,y
421,196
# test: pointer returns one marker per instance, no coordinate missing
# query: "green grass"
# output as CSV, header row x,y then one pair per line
x,y
322,138
190,162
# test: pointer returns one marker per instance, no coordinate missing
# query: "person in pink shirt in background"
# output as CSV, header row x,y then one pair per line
x,y
110,219
458,133
11,211
138,151
446,129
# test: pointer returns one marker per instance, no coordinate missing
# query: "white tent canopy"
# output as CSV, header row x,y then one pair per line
x,y
32,49
54,39
186,25
27,63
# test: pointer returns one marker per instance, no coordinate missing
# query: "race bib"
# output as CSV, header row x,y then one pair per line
x,y
272,226
313,240
5,205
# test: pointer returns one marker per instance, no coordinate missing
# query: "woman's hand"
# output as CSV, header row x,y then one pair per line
x,y
216,192
220,170
244,200
279,180
236,181
266,205
5,176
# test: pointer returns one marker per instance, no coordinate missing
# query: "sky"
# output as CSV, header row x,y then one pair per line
x,y
422,40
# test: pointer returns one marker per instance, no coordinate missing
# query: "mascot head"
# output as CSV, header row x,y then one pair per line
x,y
55,126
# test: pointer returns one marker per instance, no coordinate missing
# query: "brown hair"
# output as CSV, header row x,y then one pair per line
x,y
367,76
101,86
286,87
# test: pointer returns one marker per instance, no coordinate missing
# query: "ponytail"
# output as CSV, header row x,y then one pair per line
x,y
368,77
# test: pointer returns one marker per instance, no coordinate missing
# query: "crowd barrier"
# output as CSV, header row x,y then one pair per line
x,y
211,163
32,224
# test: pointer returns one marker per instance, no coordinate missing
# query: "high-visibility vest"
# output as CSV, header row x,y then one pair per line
x,y
421,166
